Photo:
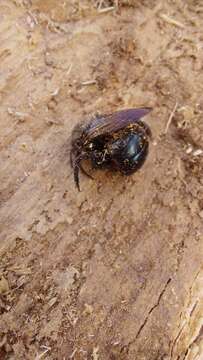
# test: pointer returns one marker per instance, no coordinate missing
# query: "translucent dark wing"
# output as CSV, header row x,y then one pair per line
x,y
108,124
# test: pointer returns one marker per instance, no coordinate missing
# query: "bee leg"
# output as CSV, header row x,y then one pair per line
x,y
71,158
77,167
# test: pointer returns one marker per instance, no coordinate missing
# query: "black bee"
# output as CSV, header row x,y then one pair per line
x,y
119,141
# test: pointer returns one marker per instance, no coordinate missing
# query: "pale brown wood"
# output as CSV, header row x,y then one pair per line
x,y
113,272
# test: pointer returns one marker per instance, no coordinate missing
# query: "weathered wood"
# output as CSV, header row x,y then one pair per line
x,y
113,272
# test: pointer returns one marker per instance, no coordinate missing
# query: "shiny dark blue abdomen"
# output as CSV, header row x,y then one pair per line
x,y
130,153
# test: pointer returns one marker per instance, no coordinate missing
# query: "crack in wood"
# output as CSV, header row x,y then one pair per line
x,y
176,340
184,324
153,307
199,336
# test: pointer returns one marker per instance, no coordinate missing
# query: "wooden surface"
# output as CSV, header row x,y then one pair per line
x,y
113,272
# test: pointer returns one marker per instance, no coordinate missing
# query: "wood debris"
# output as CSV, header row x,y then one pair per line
x,y
171,21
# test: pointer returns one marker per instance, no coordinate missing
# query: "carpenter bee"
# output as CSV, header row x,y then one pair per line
x,y
118,141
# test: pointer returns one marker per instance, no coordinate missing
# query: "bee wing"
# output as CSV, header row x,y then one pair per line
x,y
111,123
